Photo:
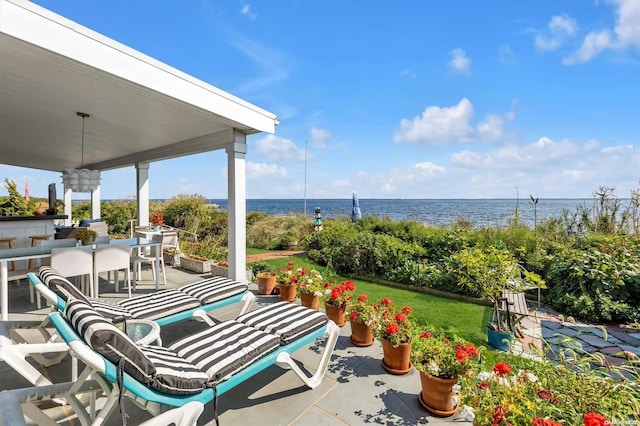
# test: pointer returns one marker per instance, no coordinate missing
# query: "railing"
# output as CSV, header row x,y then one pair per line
x,y
192,236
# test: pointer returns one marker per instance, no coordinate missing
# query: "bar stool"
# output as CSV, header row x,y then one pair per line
x,y
34,242
9,241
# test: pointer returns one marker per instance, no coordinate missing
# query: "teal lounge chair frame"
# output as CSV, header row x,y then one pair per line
x,y
154,401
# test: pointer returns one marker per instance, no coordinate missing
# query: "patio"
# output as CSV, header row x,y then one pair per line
x,y
355,390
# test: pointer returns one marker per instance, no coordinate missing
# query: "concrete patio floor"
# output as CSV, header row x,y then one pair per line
x,y
355,390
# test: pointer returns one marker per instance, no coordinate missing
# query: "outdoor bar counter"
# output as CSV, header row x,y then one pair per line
x,y
22,227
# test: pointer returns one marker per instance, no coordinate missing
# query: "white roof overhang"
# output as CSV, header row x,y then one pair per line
x,y
140,109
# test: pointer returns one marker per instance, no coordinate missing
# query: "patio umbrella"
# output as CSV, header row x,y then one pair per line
x,y
355,211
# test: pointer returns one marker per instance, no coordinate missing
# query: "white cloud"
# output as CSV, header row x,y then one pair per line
x,y
279,149
625,34
272,63
319,137
429,169
409,73
506,55
594,43
246,11
561,27
260,171
450,124
460,62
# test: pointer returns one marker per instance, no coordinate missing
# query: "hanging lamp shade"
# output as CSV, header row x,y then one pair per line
x,y
81,180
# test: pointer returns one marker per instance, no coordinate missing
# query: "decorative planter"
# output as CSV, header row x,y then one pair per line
x,y
310,300
361,334
194,265
287,292
172,259
437,395
396,360
266,283
288,245
499,340
337,314
88,242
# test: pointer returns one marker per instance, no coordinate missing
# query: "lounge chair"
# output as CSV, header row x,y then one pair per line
x,y
198,367
164,306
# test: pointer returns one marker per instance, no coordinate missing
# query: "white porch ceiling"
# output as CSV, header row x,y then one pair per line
x,y
141,109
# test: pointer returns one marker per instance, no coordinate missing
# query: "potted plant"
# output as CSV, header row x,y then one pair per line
x,y
441,360
287,281
157,219
363,318
288,241
265,277
489,272
87,236
394,332
310,289
336,298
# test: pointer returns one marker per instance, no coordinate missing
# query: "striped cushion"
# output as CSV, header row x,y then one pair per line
x,y
60,285
159,304
225,348
174,375
106,339
214,289
109,310
286,320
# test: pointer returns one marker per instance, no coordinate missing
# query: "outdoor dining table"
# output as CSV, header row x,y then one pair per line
x,y
40,252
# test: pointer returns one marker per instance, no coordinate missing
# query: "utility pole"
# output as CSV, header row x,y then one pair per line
x,y
305,177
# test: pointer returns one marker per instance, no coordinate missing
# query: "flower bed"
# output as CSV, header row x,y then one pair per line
x,y
197,264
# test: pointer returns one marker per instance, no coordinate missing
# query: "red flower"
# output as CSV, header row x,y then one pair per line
x,y
400,317
499,413
461,354
425,335
545,394
594,419
386,301
327,285
303,271
483,385
407,310
471,350
501,368
291,263
392,328
353,315
362,298
537,421
349,285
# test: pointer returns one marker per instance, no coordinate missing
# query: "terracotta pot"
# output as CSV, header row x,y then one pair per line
x,y
266,283
437,395
310,300
336,314
361,334
287,292
396,360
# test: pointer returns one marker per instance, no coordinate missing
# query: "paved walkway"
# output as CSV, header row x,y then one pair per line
x,y
612,341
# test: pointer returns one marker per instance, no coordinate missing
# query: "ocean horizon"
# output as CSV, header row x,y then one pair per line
x,y
439,212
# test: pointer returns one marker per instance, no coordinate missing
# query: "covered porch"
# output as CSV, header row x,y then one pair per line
x,y
140,111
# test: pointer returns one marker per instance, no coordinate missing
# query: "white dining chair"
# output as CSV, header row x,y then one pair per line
x,y
63,242
112,257
75,262
140,257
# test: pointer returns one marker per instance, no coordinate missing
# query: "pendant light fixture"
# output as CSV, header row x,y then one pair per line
x,y
81,180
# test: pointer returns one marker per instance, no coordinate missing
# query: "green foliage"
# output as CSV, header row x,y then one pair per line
x,y
268,232
15,204
118,215
209,247
188,212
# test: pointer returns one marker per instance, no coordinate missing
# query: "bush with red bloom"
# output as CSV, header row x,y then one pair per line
x,y
444,357
362,311
339,295
393,324
594,419
502,368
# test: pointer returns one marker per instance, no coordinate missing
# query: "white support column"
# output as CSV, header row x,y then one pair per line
x,y
95,203
67,205
142,193
237,207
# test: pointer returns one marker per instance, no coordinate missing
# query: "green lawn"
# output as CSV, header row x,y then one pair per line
x,y
467,319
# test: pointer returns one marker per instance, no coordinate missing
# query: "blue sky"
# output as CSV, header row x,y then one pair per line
x,y
409,99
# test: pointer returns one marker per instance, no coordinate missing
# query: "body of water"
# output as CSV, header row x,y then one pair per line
x,y
481,213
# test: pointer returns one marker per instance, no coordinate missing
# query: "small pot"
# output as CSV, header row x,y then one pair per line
x,y
288,292
361,334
